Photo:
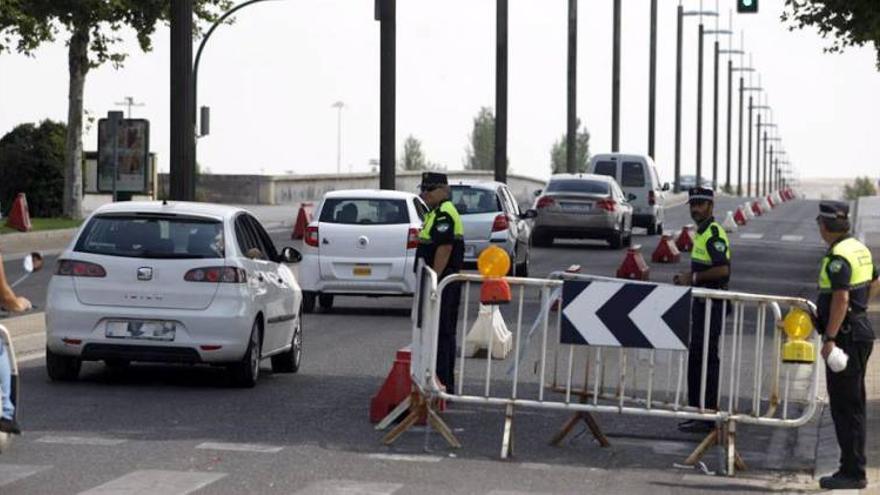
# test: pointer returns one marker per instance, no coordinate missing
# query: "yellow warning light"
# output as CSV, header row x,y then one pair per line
x,y
798,326
493,262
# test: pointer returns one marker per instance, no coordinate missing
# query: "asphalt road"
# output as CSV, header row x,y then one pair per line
x,y
181,429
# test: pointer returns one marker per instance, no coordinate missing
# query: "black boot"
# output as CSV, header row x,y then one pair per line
x,y
9,426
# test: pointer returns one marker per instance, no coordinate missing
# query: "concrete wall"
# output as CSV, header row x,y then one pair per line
x,y
285,189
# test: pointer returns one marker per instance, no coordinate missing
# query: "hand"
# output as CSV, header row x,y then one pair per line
x,y
17,305
827,347
683,278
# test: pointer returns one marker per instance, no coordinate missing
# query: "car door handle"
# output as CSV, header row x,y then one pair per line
x,y
325,241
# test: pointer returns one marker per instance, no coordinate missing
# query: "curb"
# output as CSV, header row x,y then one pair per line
x,y
25,242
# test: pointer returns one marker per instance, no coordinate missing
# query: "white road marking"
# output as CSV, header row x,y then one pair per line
x,y
10,473
404,458
751,236
31,357
153,481
97,441
344,487
240,447
792,238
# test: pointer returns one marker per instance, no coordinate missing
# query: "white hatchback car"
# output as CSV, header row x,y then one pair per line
x,y
362,242
174,283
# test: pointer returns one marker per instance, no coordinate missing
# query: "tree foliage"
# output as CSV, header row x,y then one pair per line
x,y
849,22
413,156
92,31
862,186
558,159
481,145
32,162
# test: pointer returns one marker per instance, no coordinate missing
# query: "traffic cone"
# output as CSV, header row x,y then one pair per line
x,y
489,327
303,218
19,217
685,241
770,201
666,252
766,205
756,209
634,266
396,388
740,216
729,223
747,208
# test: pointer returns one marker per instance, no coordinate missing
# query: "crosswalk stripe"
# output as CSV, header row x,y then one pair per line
x,y
751,236
406,458
792,238
152,481
346,487
10,473
240,447
81,441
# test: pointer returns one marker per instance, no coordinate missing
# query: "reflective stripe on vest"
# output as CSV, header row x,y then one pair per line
x,y
700,253
447,208
859,258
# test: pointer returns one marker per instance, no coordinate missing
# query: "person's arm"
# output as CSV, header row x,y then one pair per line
x,y
717,249
441,257
875,286
8,300
839,272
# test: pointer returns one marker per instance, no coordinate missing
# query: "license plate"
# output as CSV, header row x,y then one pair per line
x,y
577,207
140,329
362,270
469,251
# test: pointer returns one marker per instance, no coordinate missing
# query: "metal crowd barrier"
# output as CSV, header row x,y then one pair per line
x,y
759,388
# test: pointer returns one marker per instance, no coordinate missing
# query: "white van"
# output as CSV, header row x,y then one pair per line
x,y
638,178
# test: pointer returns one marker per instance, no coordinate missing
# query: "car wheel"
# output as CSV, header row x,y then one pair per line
x,y
652,227
522,270
616,239
117,364
289,361
246,372
308,304
660,228
62,368
326,301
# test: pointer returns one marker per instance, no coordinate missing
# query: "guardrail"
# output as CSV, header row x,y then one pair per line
x,y
622,380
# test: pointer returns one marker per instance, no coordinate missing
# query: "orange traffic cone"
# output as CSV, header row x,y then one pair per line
x,y
303,218
685,241
756,209
740,216
666,251
19,217
634,266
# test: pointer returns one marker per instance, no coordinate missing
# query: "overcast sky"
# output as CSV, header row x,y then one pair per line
x,y
272,77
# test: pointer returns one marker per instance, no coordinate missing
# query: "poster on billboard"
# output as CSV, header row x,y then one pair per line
x,y
133,154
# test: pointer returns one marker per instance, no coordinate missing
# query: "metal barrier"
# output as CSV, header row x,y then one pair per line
x,y
618,380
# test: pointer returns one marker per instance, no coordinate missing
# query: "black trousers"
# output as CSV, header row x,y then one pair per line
x,y
449,304
695,354
846,391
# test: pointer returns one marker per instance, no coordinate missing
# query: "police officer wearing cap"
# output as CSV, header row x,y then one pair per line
x,y
847,281
710,268
441,245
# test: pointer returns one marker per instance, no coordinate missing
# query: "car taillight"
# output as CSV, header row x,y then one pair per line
x,y
652,198
545,201
607,204
311,237
70,268
500,223
412,239
217,274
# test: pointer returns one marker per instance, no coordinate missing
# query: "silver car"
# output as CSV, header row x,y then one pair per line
x,y
491,216
582,206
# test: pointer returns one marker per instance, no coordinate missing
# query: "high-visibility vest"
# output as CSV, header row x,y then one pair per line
x,y
700,252
447,208
859,258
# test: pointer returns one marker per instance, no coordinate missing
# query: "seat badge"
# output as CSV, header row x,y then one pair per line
x,y
145,273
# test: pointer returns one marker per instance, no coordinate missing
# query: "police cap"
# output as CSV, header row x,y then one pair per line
x,y
834,210
433,180
701,194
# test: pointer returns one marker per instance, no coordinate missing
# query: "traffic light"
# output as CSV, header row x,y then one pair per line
x,y
747,6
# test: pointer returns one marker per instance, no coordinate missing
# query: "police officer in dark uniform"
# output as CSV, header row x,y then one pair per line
x,y
710,268
847,281
441,245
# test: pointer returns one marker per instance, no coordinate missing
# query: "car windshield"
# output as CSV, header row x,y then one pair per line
x,y
149,236
578,186
472,200
363,211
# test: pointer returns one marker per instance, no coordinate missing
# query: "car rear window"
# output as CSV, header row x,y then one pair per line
x,y
578,186
363,211
151,236
472,200
632,175
606,168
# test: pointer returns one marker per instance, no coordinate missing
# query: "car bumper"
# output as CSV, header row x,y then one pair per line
x,y
76,329
576,225
311,279
473,249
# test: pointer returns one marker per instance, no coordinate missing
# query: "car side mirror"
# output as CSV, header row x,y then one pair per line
x,y
538,192
666,186
33,262
630,197
528,214
290,255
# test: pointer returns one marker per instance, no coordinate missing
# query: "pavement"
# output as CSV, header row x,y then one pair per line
x,y
177,429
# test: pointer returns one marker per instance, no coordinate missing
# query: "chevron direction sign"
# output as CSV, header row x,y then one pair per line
x,y
630,315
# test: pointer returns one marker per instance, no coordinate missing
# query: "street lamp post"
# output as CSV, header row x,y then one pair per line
x,y
501,17
741,68
339,105
571,120
750,88
760,172
717,57
615,80
652,81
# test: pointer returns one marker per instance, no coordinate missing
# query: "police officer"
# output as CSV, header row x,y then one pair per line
x,y
710,268
441,245
847,281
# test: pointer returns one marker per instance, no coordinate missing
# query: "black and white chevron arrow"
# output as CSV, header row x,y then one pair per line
x,y
630,315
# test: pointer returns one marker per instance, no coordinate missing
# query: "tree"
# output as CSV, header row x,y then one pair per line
x,y
558,163
92,28
413,156
863,186
481,148
849,22
32,162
